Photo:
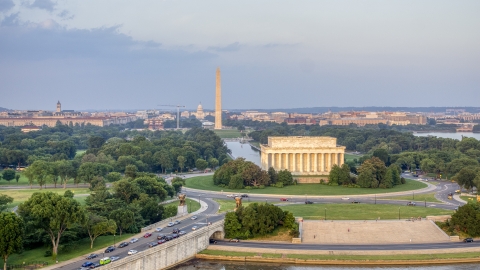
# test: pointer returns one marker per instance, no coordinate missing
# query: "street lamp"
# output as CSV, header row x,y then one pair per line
x,y
413,195
375,198
325,213
266,202
398,213
114,240
425,202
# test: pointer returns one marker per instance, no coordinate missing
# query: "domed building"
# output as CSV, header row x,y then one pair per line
x,y
200,114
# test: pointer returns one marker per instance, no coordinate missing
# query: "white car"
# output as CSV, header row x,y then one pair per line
x,y
194,217
230,196
133,240
345,198
114,258
194,228
132,251
170,224
159,229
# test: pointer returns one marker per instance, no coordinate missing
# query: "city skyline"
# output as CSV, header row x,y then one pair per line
x,y
132,56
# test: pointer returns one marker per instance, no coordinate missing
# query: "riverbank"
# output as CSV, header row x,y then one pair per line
x,y
339,258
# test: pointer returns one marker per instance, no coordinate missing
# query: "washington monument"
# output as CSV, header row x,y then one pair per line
x,y
218,102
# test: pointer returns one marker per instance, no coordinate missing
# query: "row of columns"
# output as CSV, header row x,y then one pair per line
x,y
305,162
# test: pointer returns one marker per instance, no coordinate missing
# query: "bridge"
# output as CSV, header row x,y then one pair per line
x,y
171,253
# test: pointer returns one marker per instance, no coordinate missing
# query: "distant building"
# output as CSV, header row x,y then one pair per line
x,y
26,129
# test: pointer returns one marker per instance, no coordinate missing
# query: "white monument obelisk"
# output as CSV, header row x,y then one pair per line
x,y
218,101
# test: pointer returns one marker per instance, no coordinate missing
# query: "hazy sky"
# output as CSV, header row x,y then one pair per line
x,y
118,54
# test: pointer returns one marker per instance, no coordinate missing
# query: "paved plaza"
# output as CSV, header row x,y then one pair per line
x,y
371,232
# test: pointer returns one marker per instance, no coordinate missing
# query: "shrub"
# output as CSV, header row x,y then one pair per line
x,y
261,186
279,185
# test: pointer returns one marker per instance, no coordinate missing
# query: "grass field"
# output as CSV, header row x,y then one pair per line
x,y
206,183
193,205
228,133
79,152
429,197
79,248
342,257
21,195
361,211
229,205
351,157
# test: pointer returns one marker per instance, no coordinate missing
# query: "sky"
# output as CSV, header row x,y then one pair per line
x,y
118,54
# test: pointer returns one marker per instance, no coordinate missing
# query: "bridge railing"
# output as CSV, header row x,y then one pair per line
x,y
213,227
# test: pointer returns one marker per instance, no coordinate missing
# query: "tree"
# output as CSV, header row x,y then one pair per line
x,y
131,171
4,200
41,170
8,174
17,177
12,231
28,172
87,171
382,154
114,176
273,175
124,218
232,226
213,162
236,182
98,225
181,162
65,170
126,190
52,213
201,164
285,177
465,177
177,187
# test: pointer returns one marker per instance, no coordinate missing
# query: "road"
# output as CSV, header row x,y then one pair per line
x,y
186,225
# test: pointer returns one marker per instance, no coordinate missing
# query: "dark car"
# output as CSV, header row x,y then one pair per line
x,y
244,196
355,201
87,264
161,241
174,235
152,244
411,204
95,265
92,256
168,238
284,199
160,236
308,202
123,244
109,249
176,230
450,194
466,240
212,241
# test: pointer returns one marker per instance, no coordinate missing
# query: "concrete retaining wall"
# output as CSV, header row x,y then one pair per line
x,y
171,253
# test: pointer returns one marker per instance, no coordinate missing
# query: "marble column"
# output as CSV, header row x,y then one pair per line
x,y
315,162
294,162
342,158
329,162
301,162
309,163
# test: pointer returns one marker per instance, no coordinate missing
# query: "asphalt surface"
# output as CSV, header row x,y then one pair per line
x,y
185,225
350,246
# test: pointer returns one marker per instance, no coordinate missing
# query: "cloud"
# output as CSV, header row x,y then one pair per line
x,y
65,15
6,5
11,20
229,48
48,5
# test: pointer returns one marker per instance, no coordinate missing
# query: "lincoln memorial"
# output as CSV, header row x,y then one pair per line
x,y
302,156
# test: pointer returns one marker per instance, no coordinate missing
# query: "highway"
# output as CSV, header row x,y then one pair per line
x,y
186,225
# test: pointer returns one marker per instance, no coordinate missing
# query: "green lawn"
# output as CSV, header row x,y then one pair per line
x,y
228,133
345,257
351,157
193,205
79,152
229,205
468,198
80,248
429,197
361,211
206,183
21,195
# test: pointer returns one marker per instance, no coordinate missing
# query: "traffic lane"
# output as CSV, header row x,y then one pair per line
x,y
349,246
142,242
